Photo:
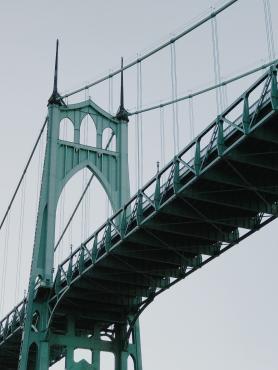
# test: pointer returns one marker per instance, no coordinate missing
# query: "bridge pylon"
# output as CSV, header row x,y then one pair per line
x,y
45,340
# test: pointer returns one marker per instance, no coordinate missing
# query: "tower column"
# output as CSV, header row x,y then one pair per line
x,y
43,357
137,357
62,160
96,352
121,354
121,360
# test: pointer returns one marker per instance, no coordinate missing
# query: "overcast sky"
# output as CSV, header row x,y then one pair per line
x,y
224,316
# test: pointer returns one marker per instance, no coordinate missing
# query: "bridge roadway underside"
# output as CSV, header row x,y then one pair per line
x,y
229,196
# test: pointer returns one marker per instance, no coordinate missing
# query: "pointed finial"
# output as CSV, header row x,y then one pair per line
x,y
122,83
122,114
55,97
56,69
157,166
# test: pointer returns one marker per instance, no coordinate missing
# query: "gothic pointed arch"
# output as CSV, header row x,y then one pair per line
x,y
88,131
66,130
89,215
108,139
108,187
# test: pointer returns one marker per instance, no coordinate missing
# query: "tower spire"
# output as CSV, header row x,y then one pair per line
x,y
122,84
55,97
56,68
122,113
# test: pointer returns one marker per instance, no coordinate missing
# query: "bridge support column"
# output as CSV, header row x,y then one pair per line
x,y
69,361
124,350
121,353
96,351
96,360
43,359
121,360
137,356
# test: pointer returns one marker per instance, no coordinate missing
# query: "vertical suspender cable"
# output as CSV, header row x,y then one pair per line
x,y
83,128
174,96
61,224
39,170
70,226
137,149
269,30
65,193
20,242
5,261
108,209
62,200
216,63
87,198
225,96
84,204
139,129
84,181
162,137
83,208
191,122
191,119
110,98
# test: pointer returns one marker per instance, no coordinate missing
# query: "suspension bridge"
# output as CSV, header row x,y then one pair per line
x,y
215,192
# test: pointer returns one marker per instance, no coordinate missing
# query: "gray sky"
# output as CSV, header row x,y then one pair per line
x,y
224,315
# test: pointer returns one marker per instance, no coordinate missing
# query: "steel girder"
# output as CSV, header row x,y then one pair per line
x,y
190,213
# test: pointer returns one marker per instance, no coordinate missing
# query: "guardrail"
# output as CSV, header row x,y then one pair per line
x,y
241,117
237,120
12,321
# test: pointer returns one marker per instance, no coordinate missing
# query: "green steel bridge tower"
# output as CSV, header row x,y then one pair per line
x,y
218,190
101,289
62,161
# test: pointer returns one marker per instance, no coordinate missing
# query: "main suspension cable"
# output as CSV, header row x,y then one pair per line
x,y
24,172
39,170
207,89
155,50
4,268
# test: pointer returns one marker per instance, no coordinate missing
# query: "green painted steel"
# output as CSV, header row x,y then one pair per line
x,y
40,345
223,194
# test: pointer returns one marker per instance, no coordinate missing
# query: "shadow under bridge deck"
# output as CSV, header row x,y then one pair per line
x,y
192,211
217,191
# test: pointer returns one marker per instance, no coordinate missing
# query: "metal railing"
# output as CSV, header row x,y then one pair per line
x,y
12,321
208,146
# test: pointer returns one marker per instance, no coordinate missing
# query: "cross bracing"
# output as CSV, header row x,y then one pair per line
x,y
188,214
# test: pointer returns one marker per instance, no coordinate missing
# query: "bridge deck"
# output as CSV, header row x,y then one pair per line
x,y
191,212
